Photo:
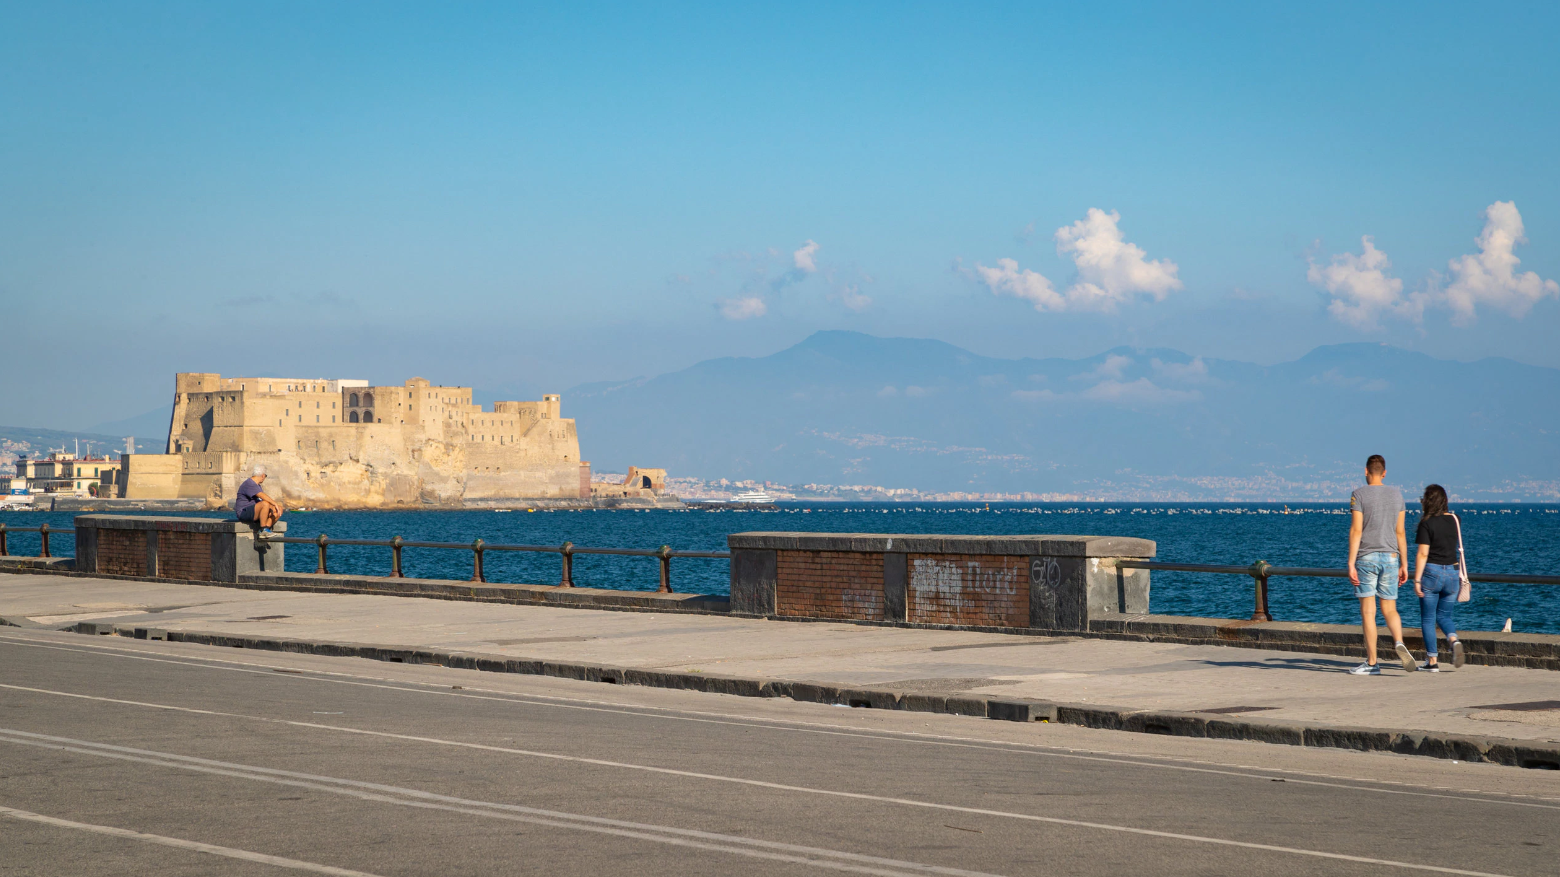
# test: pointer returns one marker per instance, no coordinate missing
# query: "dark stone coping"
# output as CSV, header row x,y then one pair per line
x,y
485,592
1055,546
1536,754
169,522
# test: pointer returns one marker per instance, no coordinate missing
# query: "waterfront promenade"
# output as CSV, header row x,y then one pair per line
x,y
121,755
1254,685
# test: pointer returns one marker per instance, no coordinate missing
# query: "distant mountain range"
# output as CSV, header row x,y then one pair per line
x,y
847,408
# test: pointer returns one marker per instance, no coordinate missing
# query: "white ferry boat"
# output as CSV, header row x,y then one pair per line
x,y
752,496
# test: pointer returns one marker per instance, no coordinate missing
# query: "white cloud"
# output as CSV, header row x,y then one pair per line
x,y
1194,372
1113,368
804,257
1140,391
852,297
744,308
1490,277
1361,290
888,392
1006,279
913,390
1110,270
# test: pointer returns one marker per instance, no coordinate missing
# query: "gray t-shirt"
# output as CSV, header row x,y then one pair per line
x,y
1381,505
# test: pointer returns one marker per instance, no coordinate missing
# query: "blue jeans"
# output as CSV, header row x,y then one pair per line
x,y
1439,604
1378,572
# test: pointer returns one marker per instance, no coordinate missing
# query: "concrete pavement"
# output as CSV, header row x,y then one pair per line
x,y
1258,685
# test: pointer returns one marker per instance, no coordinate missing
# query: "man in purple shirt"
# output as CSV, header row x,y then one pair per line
x,y
253,506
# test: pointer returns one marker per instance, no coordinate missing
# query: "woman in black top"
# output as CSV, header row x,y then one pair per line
x,y
1435,579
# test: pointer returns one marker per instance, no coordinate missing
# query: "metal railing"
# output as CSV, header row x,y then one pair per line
x,y
478,548
1261,571
42,530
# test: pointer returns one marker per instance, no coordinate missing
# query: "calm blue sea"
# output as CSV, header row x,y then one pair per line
x,y
1500,538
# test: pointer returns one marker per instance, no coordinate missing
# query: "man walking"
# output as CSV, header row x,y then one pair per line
x,y
1378,560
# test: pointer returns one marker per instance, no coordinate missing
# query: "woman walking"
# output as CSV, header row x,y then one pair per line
x,y
1437,580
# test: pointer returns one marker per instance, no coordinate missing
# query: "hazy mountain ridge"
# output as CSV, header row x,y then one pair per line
x,y
841,407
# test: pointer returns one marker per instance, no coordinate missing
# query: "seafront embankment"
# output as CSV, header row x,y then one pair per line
x,y
1295,697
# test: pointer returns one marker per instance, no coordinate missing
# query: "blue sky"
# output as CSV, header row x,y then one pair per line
x,y
526,198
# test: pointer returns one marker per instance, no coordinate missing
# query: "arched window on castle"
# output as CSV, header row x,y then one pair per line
x,y
368,400
352,418
368,417
352,400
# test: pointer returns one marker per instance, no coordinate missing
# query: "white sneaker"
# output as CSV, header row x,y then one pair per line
x,y
1457,653
1366,670
1407,657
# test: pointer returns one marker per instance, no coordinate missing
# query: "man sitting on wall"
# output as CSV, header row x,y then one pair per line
x,y
253,506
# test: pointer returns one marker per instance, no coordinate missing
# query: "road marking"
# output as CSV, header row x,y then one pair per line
x,y
801,726
180,843
837,860
193,763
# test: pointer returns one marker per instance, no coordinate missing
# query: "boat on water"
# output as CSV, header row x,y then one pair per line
x,y
750,497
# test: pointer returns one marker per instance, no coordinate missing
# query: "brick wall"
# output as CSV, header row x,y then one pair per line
x,y
184,555
829,584
121,552
986,590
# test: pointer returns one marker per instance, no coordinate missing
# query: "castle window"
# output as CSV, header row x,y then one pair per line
x,y
368,417
352,400
352,417
368,400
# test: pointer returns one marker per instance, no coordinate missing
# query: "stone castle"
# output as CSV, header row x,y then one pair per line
x,y
345,444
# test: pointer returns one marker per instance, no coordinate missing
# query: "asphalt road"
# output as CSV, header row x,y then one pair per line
x,y
121,757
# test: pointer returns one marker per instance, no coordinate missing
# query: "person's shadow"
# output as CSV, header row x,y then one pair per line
x,y
1317,664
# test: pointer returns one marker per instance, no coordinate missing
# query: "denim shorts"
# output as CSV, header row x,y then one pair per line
x,y
1378,575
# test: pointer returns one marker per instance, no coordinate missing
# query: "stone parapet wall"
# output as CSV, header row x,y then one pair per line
x,y
981,590
830,584
1035,582
185,549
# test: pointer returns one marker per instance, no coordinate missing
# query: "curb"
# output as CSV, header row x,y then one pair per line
x,y
1531,754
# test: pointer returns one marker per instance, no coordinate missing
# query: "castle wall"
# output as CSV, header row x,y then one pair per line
x,y
350,444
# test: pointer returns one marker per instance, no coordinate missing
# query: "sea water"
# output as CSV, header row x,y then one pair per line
x,y
1520,539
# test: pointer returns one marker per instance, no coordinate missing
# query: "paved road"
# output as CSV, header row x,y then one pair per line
x,y
122,757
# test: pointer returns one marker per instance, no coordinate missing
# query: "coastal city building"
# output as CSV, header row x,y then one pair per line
x,y
349,444
61,473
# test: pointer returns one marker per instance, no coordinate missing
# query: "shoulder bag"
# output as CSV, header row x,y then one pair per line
x,y
1465,592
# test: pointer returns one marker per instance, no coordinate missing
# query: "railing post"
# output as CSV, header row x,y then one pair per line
x,y
567,553
43,531
665,554
395,558
322,540
476,562
1259,575
3,551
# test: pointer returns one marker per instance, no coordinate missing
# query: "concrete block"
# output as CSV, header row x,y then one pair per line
x,y
1344,737
156,633
869,698
1523,753
1020,710
966,706
755,581
896,579
810,692
1173,724
924,703
1261,732
1091,716
93,628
